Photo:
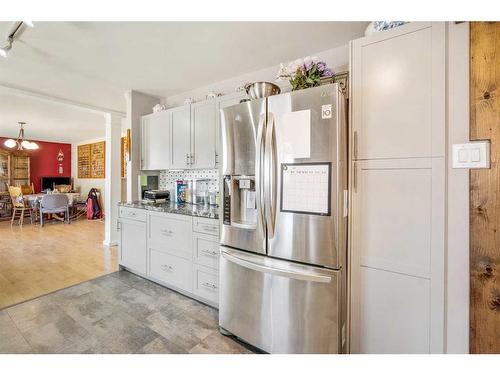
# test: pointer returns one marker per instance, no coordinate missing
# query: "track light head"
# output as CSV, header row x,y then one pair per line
x,y
5,50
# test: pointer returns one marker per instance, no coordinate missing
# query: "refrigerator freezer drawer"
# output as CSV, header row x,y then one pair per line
x,y
278,306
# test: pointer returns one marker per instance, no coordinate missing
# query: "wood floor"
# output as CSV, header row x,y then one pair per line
x,y
35,261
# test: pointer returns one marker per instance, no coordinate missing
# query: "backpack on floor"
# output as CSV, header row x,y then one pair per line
x,y
94,211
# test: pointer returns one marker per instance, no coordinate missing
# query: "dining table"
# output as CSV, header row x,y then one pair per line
x,y
34,200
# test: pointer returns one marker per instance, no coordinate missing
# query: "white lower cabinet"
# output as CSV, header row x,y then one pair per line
x,y
132,242
206,283
177,251
170,269
206,250
171,233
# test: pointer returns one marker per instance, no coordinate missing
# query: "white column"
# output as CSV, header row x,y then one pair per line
x,y
113,179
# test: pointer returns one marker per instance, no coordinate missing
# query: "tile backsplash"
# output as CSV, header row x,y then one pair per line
x,y
168,178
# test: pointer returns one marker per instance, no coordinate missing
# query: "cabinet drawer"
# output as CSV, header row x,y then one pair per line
x,y
206,250
133,213
172,234
170,269
206,283
204,225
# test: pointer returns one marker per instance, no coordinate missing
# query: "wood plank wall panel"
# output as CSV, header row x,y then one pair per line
x,y
485,189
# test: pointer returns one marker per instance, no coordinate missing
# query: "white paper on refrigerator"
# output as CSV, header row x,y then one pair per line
x,y
294,133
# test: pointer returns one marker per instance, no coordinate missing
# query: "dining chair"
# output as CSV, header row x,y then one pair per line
x,y
62,188
28,189
19,206
54,204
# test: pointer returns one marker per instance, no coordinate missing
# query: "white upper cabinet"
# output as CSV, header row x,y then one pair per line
x,y
155,141
399,96
203,135
186,137
180,124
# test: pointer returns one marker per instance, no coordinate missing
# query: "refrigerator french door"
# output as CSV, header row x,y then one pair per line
x,y
283,237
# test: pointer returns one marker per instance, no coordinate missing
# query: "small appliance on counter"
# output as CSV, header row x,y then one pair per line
x,y
148,182
156,196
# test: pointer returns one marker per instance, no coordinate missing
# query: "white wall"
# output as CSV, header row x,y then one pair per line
x,y
457,280
337,59
83,185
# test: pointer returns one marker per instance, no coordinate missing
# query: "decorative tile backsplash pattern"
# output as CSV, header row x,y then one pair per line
x,y
168,178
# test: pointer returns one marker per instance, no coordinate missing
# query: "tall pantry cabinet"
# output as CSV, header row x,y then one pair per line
x,y
397,229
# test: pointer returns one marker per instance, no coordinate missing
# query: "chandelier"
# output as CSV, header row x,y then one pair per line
x,y
20,143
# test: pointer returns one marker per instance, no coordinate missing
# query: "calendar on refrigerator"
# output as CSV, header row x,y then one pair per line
x,y
306,188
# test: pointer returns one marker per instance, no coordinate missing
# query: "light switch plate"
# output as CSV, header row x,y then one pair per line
x,y
471,155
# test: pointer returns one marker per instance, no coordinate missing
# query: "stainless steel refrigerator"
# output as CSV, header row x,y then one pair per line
x,y
284,222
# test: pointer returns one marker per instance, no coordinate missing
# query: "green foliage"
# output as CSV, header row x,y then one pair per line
x,y
303,79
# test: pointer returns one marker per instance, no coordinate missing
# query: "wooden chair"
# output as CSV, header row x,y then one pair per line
x,y
62,188
18,205
28,189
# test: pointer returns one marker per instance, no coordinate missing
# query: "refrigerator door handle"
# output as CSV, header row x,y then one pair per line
x,y
259,170
271,178
276,271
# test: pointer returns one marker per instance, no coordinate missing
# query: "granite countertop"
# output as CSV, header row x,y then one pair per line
x,y
211,212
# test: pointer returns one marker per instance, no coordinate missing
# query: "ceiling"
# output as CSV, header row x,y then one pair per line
x,y
95,62
47,121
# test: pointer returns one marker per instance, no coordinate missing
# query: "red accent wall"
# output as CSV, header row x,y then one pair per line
x,y
44,160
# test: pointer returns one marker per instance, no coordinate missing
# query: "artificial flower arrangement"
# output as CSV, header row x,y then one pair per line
x,y
304,73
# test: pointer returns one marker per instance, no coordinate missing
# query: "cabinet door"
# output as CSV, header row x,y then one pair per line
x,y
156,141
223,102
132,238
398,77
145,128
180,124
203,130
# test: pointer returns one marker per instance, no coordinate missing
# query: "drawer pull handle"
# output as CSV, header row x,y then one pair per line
x,y
210,253
167,268
209,228
166,232
209,286
132,213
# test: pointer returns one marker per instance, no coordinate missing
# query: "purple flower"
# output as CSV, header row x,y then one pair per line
x,y
326,73
321,66
308,66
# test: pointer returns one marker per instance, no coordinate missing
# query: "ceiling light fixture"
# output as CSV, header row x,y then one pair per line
x,y
20,142
5,50
16,30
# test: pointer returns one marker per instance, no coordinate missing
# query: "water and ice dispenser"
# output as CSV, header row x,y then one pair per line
x,y
240,204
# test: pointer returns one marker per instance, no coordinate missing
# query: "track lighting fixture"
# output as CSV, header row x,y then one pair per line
x,y
16,30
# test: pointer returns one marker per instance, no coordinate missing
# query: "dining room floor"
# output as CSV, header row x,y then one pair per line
x,y
116,313
35,261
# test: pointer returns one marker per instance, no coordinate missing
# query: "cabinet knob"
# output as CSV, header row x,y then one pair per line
x,y
209,285
167,268
210,253
209,228
166,232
